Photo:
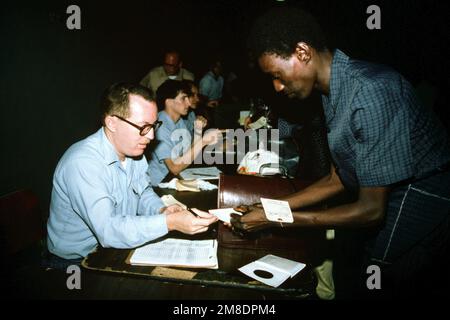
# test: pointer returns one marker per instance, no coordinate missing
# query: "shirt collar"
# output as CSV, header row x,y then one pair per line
x,y
167,120
338,67
109,152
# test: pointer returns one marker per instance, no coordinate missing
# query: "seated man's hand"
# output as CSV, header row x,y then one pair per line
x,y
200,122
253,219
172,208
211,136
184,221
247,122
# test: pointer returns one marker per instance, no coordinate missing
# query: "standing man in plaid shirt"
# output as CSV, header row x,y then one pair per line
x,y
387,149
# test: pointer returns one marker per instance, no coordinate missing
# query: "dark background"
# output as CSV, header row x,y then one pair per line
x,y
52,77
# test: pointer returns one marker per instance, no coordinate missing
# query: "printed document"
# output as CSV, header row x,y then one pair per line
x,y
177,253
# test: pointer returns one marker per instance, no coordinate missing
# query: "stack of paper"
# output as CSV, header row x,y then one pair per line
x,y
272,270
177,253
206,173
188,185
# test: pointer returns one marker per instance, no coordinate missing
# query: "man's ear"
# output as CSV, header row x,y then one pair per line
x,y
168,103
303,52
111,123
181,64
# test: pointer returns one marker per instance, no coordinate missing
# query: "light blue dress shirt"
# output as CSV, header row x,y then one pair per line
x,y
211,87
172,141
190,120
96,200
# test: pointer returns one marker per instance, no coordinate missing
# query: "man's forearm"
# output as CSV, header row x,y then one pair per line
x,y
349,215
368,210
181,163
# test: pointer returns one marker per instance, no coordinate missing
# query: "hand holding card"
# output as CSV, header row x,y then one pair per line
x,y
277,210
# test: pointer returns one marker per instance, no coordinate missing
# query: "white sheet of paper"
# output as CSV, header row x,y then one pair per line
x,y
206,173
285,265
277,277
261,122
223,214
280,269
277,210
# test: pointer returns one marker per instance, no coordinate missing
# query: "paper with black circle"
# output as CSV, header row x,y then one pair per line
x,y
272,270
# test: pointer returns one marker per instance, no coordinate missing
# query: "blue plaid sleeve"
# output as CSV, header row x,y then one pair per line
x,y
285,128
381,132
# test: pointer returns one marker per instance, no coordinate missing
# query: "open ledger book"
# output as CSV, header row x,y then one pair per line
x,y
177,253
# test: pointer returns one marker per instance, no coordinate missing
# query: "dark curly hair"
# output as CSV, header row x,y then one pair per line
x,y
279,30
169,90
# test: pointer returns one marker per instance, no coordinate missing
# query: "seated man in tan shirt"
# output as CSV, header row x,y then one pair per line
x,y
171,69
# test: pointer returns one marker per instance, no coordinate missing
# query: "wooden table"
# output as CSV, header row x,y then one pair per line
x,y
112,261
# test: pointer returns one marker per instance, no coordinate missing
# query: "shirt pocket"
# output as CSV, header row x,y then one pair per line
x,y
139,184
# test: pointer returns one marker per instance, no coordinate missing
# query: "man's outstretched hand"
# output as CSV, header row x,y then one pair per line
x,y
253,219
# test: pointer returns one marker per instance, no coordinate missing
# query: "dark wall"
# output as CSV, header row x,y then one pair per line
x,y
51,77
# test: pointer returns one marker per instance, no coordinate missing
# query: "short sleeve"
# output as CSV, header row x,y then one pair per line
x,y
163,148
382,135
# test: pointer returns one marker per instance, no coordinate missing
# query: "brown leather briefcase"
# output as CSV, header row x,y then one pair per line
x,y
301,244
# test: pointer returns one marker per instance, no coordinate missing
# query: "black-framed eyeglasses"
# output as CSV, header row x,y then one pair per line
x,y
143,130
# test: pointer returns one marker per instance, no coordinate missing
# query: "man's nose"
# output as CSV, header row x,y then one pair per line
x,y
278,86
151,134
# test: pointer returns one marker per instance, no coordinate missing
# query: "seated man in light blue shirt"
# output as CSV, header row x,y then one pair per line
x,y
194,118
175,149
101,191
211,85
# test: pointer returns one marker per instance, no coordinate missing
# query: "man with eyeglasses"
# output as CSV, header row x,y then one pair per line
x,y
172,69
101,191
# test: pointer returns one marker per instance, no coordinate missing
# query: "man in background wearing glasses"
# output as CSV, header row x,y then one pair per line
x,y
101,192
172,69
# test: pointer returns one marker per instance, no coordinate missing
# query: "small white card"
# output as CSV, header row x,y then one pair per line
x,y
223,214
277,210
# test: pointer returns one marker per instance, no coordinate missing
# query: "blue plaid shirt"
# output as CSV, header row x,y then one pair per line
x,y
378,132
